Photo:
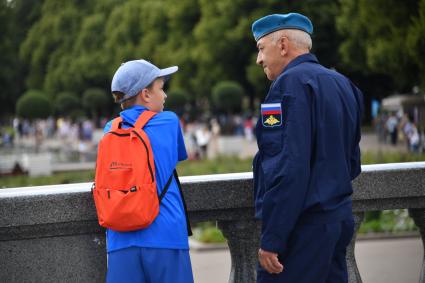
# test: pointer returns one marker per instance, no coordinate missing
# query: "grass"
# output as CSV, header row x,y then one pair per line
x,y
390,157
214,166
55,179
185,168
387,221
207,232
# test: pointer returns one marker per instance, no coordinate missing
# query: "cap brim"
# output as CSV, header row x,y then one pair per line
x,y
168,71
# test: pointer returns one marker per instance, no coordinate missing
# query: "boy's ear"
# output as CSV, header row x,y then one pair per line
x,y
144,95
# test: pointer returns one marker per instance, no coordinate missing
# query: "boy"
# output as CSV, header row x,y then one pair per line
x,y
160,252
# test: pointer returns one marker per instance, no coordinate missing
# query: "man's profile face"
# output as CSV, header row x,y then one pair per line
x,y
270,57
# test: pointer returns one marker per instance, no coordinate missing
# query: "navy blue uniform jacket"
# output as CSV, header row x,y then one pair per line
x,y
308,149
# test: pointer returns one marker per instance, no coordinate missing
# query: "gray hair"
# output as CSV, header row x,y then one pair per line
x,y
299,38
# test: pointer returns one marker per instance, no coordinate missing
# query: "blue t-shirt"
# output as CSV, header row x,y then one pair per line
x,y
169,228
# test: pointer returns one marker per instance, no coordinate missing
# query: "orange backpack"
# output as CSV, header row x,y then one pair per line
x,y
124,191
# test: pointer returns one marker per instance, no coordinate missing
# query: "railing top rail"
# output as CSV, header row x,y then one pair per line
x,y
393,166
85,187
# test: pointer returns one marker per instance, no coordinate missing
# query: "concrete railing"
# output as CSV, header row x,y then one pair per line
x,y
50,233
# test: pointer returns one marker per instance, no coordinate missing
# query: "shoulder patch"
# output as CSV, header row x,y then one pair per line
x,y
271,114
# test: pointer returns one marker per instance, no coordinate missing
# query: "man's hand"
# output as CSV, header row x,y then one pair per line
x,y
269,261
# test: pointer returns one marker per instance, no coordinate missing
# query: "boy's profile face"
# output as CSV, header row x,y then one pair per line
x,y
157,96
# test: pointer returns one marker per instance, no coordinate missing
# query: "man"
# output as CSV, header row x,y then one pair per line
x,y
308,137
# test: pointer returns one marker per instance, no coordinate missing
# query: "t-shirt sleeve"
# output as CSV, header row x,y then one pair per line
x,y
107,127
181,148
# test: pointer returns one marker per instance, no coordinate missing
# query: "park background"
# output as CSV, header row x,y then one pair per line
x,y
64,49
58,57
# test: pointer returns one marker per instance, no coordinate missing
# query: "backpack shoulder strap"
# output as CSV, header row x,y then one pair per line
x,y
189,228
161,196
144,118
116,123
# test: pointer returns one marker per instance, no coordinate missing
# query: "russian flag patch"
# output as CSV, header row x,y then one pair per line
x,y
271,114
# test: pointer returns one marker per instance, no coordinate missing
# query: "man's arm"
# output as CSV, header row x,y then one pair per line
x,y
355,155
287,172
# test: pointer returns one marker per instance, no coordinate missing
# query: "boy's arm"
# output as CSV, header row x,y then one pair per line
x,y
181,148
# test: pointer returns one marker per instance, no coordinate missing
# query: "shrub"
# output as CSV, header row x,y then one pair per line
x,y
227,96
33,105
176,100
66,102
95,100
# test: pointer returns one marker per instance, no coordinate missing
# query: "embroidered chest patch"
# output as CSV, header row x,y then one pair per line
x,y
271,114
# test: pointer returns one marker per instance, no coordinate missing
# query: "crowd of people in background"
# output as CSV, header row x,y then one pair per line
x,y
395,128
202,135
75,135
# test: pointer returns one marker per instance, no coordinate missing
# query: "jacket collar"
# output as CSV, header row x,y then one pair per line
x,y
308,57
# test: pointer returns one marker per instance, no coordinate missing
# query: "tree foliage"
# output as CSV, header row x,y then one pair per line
x,y
66,102
177,100
33,105
384,37
227,96
16,17
95,100
72,46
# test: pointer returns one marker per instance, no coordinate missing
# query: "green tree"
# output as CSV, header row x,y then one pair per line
x,y
48,47
134,30
376,38
33,105
416,42
77,45
16,17
95,100
227,96
7,56
177,100
179,43
66,102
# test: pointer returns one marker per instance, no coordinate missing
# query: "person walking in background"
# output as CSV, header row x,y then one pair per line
x,y
392,128
160,252
203,137
414,139
308,136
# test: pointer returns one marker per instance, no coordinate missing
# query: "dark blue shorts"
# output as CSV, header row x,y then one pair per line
x,y
142,265
316,253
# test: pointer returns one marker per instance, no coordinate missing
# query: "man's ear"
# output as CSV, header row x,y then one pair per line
x,y
283,44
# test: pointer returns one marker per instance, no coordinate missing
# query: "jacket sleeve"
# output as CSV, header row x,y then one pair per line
x,y
355,155
287,171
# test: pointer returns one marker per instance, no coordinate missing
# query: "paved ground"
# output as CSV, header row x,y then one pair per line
x,y
243,148
379,261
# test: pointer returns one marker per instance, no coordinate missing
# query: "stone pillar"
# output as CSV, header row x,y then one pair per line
x,y
353,271
243,238
418,216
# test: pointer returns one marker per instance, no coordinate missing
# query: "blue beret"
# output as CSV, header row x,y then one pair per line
x,y
271,23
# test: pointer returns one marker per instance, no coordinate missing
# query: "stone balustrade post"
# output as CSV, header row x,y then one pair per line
x,y
243,239
418,216
353,271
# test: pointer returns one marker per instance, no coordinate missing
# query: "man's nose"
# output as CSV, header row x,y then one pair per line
x,y
259,59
